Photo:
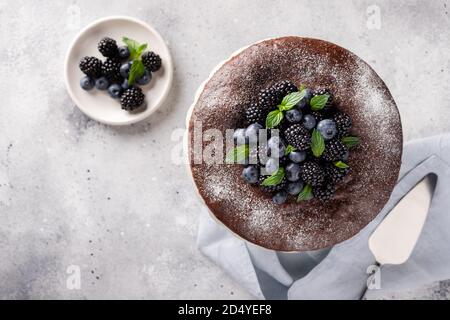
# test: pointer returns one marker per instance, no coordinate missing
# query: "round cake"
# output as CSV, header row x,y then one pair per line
x,y
375,163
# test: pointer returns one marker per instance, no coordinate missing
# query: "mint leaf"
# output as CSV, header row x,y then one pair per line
x,y
137,71
341,165
275,178
133,47
318,102
302,87
289,149
317,143
141,49
350,142
238,154
137,68
305,194
291,100
274,118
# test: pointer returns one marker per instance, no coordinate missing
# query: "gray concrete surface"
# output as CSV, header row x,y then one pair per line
x,y
106,200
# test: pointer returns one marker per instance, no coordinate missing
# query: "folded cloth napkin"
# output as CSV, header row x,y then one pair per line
x,y
342,272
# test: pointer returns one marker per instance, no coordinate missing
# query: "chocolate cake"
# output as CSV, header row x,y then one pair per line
x,y
359,92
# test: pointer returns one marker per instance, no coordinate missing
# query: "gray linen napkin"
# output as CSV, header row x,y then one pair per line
x,y
341,272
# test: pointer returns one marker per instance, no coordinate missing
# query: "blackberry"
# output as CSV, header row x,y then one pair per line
x,y
324,193
335,174
268,99
271,189
108,47
335,150
283,88
132,98
312,173
318,116
111,70
151,61
284,161
91,66
254,113
322,91
343,123
298,136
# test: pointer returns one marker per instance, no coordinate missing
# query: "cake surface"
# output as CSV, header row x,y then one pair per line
x,y
358,91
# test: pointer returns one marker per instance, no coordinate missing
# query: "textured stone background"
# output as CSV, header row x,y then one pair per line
x,y
105,199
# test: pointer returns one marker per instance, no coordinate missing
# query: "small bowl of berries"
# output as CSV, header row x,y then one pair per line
x,y
118,70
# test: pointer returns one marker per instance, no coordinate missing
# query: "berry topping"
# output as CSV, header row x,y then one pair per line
x,y
309,121
327,129
312,173
276,147
297,156
334,150
298,136
272,188
252,132
294,188
343,123
280,197
309,157
320,92
272,165
254,113
251,174
324,193
294,116
293,172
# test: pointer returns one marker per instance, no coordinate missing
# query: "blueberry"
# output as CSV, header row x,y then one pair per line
x,y
294,188
124,53
276,147
280,197
293,116
125,70
251,133
87,83
125,84
251,174
327,129
292,172
272,165
309,122
145,79
102,83
305,101
308,95
297,156
115,90
239,136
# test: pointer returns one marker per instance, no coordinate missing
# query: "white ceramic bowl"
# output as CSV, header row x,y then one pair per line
x,y
98,105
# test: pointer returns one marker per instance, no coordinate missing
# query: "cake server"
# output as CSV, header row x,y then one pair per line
x,y
394,239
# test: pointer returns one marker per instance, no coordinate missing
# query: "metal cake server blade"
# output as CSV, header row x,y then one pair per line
x,y
394,239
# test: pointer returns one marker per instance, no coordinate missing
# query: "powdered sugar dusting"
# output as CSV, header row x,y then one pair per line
x,y
375,163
